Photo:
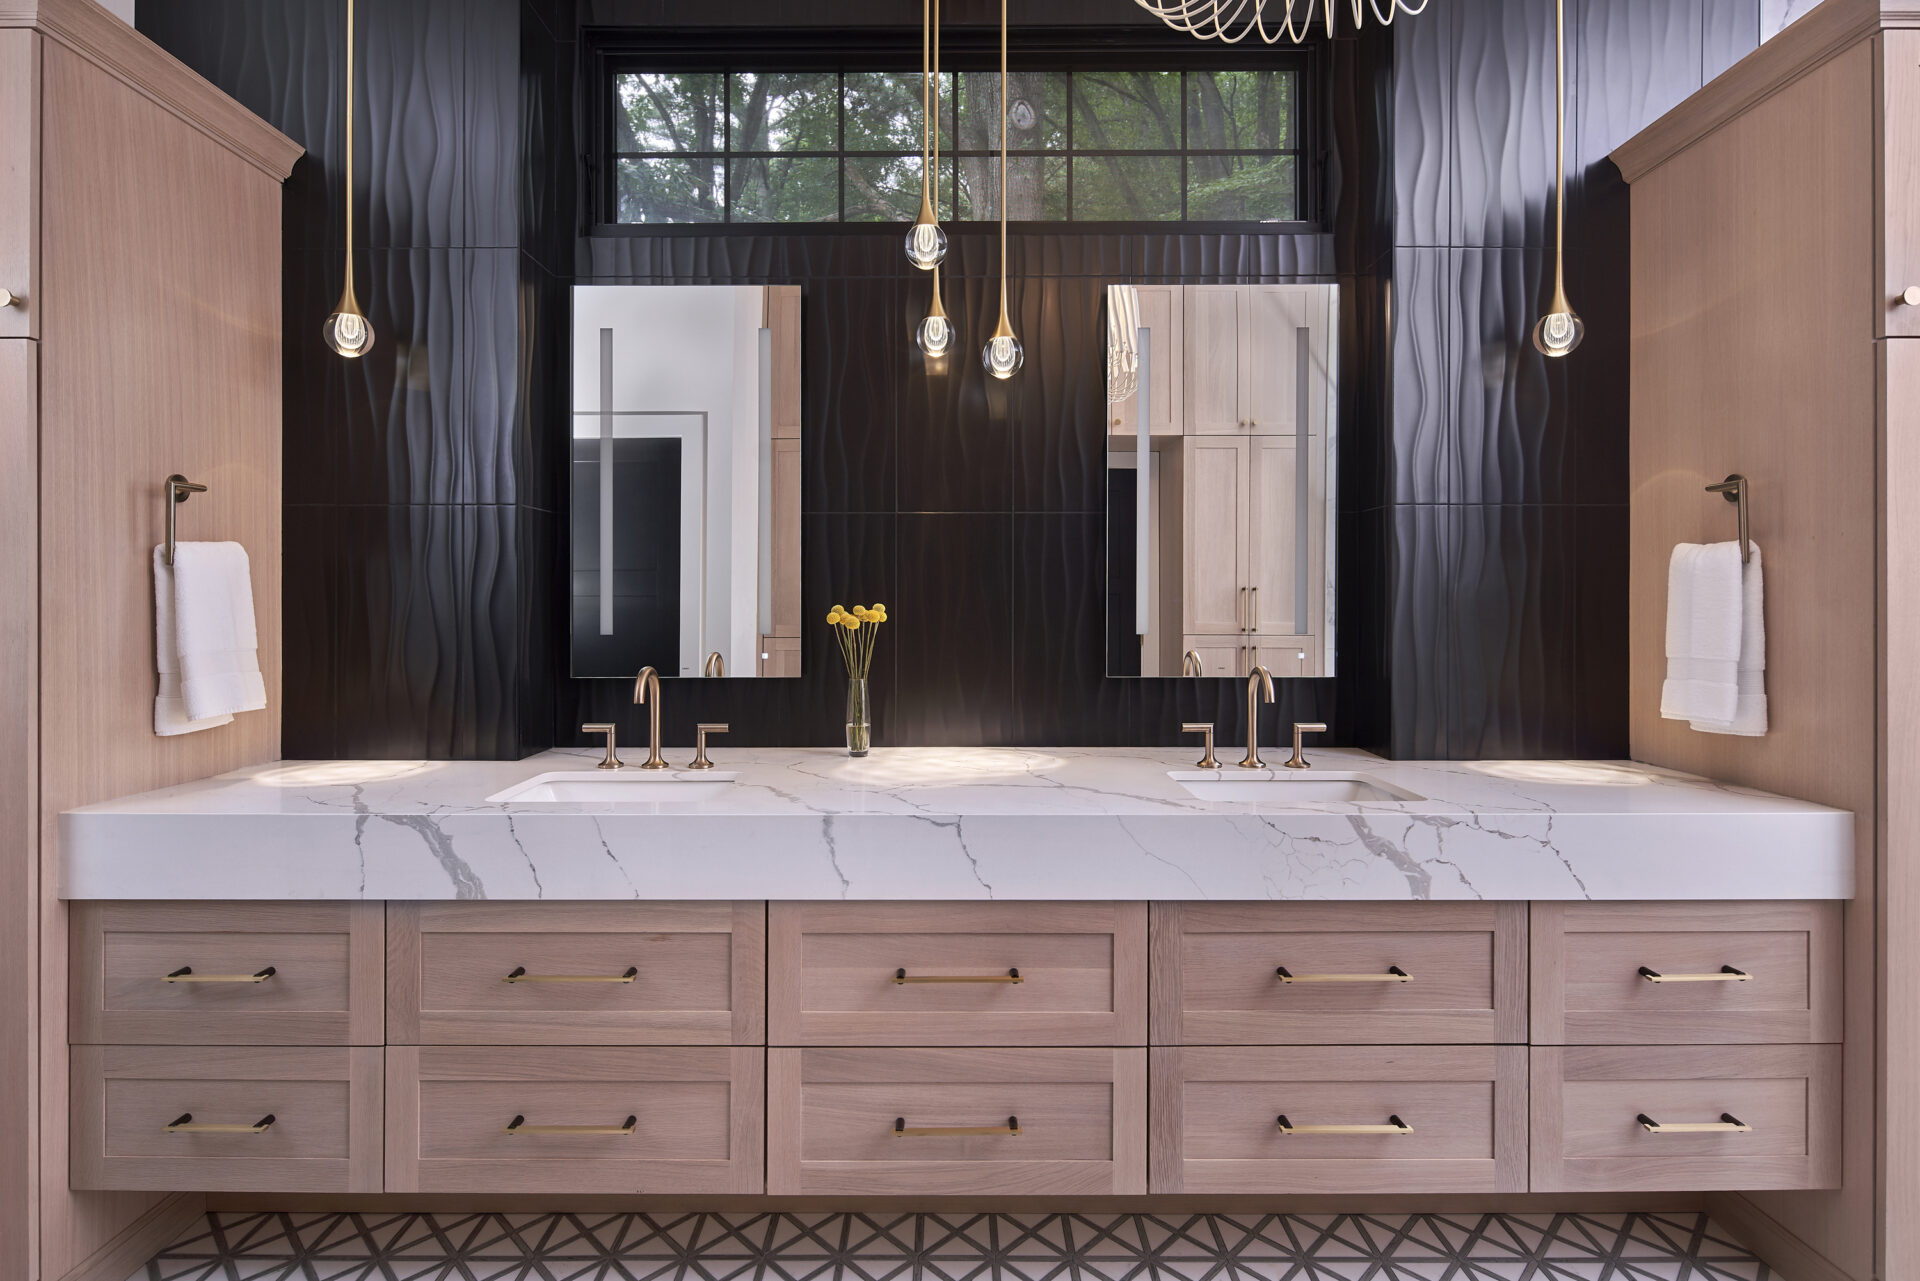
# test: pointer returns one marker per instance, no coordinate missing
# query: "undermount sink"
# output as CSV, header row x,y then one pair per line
x,y
1315,788
627,785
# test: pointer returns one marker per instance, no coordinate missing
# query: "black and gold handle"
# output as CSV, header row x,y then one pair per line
x,y
519,1126
1725,974
1393,974
901,978
185,1124
901,1130
518,974
1394,1125
185,974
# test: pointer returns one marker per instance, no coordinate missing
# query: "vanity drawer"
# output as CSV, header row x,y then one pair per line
x,y
837,970
697,1115
1462,973
1589,989
1588,1102
1217,1109
253,973
1081,1113
576,973
324,1102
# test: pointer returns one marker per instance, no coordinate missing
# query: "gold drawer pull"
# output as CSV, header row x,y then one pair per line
x,y
1011,976
185,974
184,1123
1394,1125
1394,974
1727,974
519,1126
519,975
901,1130
1727,1124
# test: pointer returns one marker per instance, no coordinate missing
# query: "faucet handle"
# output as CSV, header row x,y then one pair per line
x,y
1206,760
1298,761
700,733
611,761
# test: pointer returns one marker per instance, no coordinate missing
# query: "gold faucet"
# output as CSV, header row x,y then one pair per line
x,y
648,681
1259,682
716,665
1303,727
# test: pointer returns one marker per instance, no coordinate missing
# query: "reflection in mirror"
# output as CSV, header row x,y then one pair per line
x,y
685,480
1220,417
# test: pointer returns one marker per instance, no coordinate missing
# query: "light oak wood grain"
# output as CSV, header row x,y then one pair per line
x,y
1215,354
1214,975
786,537
1163,315
1213,544
1083,968
1587,989
701,973
1752,341
19,810
1586,1101
1082,1114
780,655
1215,1117
783,316
698,1119
169,1219
1898,74
19,180
325,1102
327,987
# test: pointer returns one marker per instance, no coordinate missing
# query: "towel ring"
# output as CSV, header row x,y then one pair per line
x,y
178,488
1734,490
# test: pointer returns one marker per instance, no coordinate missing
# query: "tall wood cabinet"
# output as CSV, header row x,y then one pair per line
x,y
140,249
1775,235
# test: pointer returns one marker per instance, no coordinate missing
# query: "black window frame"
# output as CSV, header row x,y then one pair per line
x,y
612,52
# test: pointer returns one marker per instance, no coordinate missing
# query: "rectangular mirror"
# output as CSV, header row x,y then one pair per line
x,y
685,480
1220,520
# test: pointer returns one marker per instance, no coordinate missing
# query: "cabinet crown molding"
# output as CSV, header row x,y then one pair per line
x,y
123,53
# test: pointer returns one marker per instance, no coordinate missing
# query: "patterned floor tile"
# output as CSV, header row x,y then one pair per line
x,y
967,1246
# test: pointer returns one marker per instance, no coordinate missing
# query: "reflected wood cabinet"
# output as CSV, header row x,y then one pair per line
x,y
962,1049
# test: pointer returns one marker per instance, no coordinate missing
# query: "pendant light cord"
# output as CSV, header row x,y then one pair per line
x,y
1003,164
1559,152
349,192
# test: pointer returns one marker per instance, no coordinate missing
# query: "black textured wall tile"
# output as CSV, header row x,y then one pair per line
x,y
1363,675
1419,563
427,415
1359,115
1364,424
403,632
1509,407
1729,31
492,164
1419,465
1600,536
955,432
952,629
1635,60
1515,633
1422,151
1502,121
852,353
1598,375
1234,258
1059,437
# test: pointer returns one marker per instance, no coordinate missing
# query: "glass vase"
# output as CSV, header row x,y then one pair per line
x,y
859,717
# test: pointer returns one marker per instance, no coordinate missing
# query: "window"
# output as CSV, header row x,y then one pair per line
x,y
844,146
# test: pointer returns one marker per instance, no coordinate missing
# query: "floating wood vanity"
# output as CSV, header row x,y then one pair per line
x,y
951,1049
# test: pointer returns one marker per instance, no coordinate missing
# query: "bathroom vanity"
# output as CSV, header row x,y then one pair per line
x,y
956,972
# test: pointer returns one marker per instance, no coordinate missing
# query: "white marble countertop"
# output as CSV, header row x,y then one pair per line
x,y
957,823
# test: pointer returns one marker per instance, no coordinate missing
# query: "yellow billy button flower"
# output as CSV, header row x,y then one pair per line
x,y
851,623
833,619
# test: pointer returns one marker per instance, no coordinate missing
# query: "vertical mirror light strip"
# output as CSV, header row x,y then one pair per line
x,y
606,482
1143,480
1303,373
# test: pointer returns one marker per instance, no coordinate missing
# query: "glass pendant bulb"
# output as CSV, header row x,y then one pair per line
x,y
1003,354
1559,331
348,332
926,242
934,335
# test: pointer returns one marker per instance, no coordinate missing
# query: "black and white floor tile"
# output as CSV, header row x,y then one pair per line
x,y
954,1247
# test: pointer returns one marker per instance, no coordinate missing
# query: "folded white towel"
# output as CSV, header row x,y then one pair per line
x,y
1703,633
213,624
1749,717
169,712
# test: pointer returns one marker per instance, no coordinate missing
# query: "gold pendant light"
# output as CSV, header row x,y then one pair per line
x,y
935,333
347,330
926,242
1561,329
1003,355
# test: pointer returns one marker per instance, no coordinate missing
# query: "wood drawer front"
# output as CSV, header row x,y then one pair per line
x,y
1082,1115
699,973
1216,1109
1588,989
1587,1101
1083,971
325,989
325,1104
19,180
699,1119
1215,980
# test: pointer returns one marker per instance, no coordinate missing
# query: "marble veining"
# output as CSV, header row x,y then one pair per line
x,y
958,823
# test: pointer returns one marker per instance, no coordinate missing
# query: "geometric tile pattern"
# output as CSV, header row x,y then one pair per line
x,y
747,1246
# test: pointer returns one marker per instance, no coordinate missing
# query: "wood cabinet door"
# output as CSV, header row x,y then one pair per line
x,y
1900,183
1216,349
1278,361
783,318
1162,314
19,177
785,543
1219,655
1214,550
1277,539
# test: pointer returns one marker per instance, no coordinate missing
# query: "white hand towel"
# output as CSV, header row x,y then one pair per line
x,y
1749,717
213,622
169,712
1703,633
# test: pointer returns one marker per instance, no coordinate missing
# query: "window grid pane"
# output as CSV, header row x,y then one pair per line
x,y
769,147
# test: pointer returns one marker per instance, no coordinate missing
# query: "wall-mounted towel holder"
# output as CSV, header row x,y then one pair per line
x,y
178,487
1734,490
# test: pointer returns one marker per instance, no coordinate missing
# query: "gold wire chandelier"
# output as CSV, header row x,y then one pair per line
x,y
1231,21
